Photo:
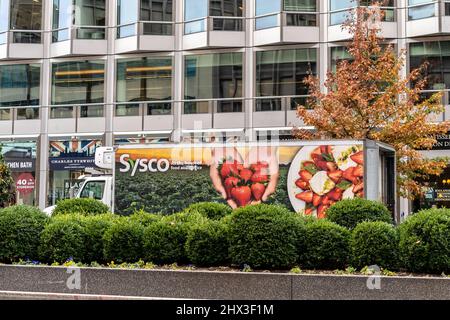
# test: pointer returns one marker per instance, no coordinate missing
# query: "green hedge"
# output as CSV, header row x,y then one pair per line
x,y
123,241
265,236
327,246
375,243
211,210
63,239
425,241
95,229
144,218
262,236
207,244
20,230
165,240
348,213
80,206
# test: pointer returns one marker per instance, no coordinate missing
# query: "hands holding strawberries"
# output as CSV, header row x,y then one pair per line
x,y
245,182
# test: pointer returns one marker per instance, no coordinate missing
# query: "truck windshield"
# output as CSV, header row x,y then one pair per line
x,y
93,189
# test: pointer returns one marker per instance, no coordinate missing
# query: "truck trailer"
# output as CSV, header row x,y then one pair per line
x,y
305,176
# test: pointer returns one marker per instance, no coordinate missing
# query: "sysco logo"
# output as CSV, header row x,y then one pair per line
x,y
143,165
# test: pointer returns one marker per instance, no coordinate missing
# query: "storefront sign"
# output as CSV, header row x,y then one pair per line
x,y
21,165
443,142
71,187
25,183
72,163
442,195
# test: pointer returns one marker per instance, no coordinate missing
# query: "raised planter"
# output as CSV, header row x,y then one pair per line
x,y
218,285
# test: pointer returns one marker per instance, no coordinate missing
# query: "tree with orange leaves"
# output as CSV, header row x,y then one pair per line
x,y
367,98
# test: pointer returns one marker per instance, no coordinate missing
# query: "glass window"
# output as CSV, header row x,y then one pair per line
x,y
26,15
88,15
194,10
4,15
19,85
342,4
156,10
301,20
62,19
193,107
267,6
61,112
282,72
226,106
27,113
225,8
144,79
5,114
127,15
91,112
127,110
300,5
93,190
339,54
414,2
268,105
157,109
422,12
267,22
437,54
343,10
213,76
78,82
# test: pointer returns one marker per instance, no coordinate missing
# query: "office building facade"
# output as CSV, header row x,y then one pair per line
x,y
78,74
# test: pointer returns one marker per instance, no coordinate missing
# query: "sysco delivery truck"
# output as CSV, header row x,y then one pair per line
x,y
306,176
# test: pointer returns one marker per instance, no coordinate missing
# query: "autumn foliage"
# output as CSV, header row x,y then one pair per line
x,y
367,97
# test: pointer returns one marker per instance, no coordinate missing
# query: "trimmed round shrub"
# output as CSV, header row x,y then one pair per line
x,y
144,218
207,244
20,230
63,239
82,206
326,246
425,241
164,241
211,210
95,228
348,213
123,241
265,236
374,243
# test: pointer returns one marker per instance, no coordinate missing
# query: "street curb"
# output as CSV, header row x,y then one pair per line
x,y
220,285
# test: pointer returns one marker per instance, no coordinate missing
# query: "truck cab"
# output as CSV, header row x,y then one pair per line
x,y
98,183
98,188
93,187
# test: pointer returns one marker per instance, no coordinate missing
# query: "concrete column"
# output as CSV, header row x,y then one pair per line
x,y
178,73
404,205
110,76
249,71
323,59
43,143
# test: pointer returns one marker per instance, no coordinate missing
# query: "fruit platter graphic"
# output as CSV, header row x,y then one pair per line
x,y
320,176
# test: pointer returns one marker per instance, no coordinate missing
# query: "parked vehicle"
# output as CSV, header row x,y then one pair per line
x,y
307,176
